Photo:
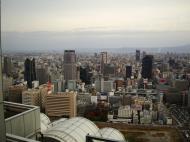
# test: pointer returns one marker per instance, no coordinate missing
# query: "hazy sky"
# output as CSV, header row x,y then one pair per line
x,y
71,24
63,15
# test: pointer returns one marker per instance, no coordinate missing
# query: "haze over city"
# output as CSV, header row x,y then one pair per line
x,y
102,24
95,70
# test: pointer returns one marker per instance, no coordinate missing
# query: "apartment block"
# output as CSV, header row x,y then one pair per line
x,y
61,104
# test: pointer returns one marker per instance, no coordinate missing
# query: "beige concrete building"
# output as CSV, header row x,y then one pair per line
x,y
61,104
31,97
43,92
37,96
15,93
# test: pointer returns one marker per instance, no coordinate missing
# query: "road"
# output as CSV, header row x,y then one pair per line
x,y
182,117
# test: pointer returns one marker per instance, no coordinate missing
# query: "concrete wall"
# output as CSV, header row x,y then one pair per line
x,y
25,124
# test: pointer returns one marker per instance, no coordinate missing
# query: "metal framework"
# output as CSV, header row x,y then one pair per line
x,y
92,138
14,138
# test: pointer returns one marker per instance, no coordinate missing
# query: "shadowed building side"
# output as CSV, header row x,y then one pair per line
x,y
147,63
29,71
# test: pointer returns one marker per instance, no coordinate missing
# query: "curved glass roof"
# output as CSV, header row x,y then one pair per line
x,y
110,133
74,129
58,122
45,121
60,136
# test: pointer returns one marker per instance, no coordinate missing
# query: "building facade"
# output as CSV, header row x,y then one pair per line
x,y
70,68
147,62
61,104
138,55
29,71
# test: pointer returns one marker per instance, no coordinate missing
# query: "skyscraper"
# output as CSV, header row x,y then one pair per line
x,y
138,55
85,75
128,71
109,70
33,69
42,75
70,68
147,62
29,71
143,54
103,61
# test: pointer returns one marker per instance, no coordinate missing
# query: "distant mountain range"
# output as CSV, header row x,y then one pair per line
x,y
177,49
83,42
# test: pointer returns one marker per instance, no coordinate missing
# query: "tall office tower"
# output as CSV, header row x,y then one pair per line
x,y
78,72
99,84
42,75
33,69
128,71
7,66
147,62
109,70
103,61
29,72
70,68
138,54
85,75
143,54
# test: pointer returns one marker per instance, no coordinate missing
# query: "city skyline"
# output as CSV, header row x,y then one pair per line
x,y
95,70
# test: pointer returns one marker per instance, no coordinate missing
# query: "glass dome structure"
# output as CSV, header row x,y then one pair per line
x,y
58,122
110,133
45,121
75,130
72,130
